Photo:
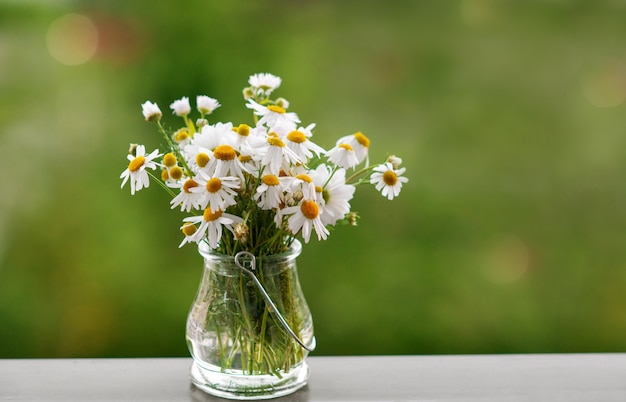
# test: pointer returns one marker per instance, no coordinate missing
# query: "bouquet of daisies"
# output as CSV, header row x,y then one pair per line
x,y
256,187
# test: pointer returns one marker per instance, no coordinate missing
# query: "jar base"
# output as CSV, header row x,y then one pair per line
x,y
249,387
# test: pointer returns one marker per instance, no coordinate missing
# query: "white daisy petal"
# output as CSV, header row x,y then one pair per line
x,y
343,155
136,171
181,106
206,105
388,180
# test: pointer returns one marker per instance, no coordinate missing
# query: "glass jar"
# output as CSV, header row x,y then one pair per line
x,y
249,331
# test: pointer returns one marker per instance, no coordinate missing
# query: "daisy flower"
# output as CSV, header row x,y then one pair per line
x,y
274,153
200,149
136,171
303,183
298,141
181,107
211,226
216,192
213,135
240,135
264,83
388,180
269,193
188,229
186,199
305,217
343,155
335,194
250,159
274,116
151,111
359,142
182,137
206,105
225,162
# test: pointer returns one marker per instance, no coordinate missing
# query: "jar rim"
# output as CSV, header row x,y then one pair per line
x,y
294,250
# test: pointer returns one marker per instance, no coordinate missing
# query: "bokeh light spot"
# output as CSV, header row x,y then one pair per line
x,y
606,86
507,260
72,39
477,12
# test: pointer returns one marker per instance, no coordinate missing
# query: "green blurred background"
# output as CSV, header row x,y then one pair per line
x,y
510,236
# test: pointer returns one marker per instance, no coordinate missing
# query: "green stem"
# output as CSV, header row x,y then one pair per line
x,y
331,176
224,364
243,306
175,150
163,185
263,329
190,125
231,355
359,173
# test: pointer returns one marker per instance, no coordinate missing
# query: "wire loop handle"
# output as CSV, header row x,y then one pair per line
x,y
268,299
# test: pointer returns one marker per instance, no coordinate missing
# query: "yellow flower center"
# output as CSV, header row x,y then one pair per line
x,y
181,136
188,229
136,163
243,130
164,175
169,159
225,153
362,139
188,185
309,209
390,178
346,147
270,180
211,216
319,189
276,109
297,137
305,178
202,159
245,158
214,185
274,140
176,173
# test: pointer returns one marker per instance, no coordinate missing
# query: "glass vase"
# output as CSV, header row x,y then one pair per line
x,y
250,329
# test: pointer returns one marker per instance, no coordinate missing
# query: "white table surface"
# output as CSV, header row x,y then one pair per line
x,y
503,378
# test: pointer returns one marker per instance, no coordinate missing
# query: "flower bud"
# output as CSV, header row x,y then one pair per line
x,y
201,123
151,111
282,102
248,93
241,232
297,196
395,161
352,218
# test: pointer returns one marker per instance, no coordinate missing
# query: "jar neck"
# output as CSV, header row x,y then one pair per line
x,y
293,252
265,265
